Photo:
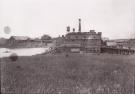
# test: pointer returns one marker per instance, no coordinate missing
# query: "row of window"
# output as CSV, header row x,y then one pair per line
x,y
93,50
82,37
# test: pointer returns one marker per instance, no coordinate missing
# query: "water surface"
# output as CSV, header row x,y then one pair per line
x,y
4,52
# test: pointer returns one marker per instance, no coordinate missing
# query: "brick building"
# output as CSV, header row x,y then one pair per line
x,y
80,41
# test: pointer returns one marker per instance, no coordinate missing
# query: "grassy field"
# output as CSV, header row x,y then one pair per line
x,y
72,74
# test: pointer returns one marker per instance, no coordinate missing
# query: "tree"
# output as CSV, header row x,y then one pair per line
x,y
46,37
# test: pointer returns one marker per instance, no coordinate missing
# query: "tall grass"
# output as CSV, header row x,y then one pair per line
x,y
75,74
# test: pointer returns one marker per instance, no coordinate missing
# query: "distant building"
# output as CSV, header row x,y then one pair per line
x,y
105,39
36,40
131,43
58,41
111,43
80,41
3,41
121,43
18,39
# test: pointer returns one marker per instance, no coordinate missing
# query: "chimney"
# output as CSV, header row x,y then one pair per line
x,y
73,29
79,29
68,28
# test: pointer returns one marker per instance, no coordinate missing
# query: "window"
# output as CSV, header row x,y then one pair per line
x,y
84,37
68,37
76,37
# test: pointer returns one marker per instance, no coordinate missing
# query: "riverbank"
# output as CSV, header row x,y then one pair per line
x,y
68,74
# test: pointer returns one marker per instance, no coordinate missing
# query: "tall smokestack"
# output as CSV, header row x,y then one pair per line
x,y
79,30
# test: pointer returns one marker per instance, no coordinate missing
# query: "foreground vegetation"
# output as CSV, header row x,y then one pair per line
x,y
68,74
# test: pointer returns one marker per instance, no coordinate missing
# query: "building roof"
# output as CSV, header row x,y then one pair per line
x,y
3,40
121,40
20,37
92,32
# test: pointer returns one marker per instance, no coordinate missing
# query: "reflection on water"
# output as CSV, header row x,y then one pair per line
x,y
4,52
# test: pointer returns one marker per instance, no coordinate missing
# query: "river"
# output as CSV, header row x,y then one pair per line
x,y
4,52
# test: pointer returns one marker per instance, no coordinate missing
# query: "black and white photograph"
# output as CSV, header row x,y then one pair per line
x,y
67,46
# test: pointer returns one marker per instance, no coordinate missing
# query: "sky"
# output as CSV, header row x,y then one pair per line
x,y
33,18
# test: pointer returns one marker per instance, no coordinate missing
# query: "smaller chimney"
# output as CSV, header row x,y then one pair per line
x,y
73,29
68,28
62,36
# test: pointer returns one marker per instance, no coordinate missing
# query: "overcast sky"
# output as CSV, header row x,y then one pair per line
x,y
114,18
